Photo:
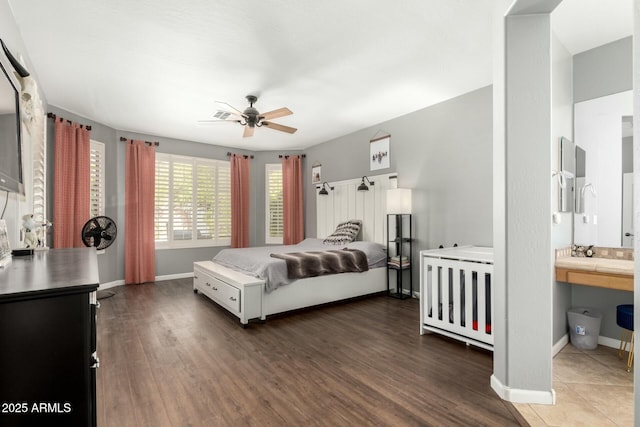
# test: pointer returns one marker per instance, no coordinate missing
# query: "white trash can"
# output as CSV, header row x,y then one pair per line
x,y
584,327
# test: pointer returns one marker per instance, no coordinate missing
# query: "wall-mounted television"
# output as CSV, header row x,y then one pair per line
x,y
10,136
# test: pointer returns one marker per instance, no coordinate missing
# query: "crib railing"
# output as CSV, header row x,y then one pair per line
x,y
455,293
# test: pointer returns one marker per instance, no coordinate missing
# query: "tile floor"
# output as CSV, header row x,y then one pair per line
x,y
593,388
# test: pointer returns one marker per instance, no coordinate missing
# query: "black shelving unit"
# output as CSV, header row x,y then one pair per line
x,y
399,254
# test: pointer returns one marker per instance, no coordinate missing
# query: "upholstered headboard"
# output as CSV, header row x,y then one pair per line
x,y
344,202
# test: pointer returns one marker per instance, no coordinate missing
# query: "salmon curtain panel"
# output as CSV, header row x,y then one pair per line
x,y
240,177
71,204
139,243
292,209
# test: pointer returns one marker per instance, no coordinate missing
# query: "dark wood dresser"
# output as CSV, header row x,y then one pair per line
x,y
48,354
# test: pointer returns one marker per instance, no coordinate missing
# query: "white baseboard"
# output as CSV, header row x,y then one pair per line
x,y
174,276
608,342
515,395
115,283
560,344
108,285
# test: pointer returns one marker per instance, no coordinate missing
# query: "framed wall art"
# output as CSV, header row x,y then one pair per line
x,y
316,173
379,152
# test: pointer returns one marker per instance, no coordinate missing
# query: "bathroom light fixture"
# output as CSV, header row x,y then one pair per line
x,y
562,177
591,187
363,186
323,189
593,192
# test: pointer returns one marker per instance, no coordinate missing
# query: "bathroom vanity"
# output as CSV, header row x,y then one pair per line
x,y
599,272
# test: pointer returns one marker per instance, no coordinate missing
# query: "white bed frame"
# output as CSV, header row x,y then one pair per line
x,y
245,295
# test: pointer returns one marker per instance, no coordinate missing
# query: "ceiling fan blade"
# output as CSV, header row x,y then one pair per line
x,y
281,128
248,131
280,112
235,110
218,121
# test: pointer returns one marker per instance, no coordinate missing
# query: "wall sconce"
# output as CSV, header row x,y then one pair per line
x,y
580,202
363,186
323,189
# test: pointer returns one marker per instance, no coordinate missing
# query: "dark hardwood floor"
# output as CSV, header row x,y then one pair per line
x,y
169,357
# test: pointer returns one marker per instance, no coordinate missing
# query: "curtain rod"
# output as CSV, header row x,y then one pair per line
x,y
53,116
246,156
156,143
286,156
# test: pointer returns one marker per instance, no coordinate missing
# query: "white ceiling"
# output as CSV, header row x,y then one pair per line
x,y
157,66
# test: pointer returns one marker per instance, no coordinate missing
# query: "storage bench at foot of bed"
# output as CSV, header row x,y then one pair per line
x,y
238,293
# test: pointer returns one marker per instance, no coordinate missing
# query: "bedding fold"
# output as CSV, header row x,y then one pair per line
x,y
318,263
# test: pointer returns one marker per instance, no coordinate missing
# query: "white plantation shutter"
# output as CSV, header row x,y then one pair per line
x,y
223,202
273,181
182,198
40,180
162,200
193,202
97,170
205,201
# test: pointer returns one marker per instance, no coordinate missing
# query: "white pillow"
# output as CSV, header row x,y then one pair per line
x,y
345,232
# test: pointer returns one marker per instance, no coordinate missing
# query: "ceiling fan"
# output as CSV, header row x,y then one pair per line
x,y
251,118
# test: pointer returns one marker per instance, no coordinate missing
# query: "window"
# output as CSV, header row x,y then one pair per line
x,y
97,180
193,202
96,169
273,208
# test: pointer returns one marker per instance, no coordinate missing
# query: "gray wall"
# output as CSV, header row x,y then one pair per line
x,y
599,72
527,195
603,71
443,153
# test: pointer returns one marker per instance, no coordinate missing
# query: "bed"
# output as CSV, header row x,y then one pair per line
x,y
230,281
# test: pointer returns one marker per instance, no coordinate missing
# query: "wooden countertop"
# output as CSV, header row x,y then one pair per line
x,y
599,272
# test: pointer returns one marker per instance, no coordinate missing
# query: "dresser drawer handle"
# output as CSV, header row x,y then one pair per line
x,y
233,298
214,288
208,284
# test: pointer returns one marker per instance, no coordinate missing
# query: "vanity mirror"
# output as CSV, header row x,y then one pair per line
x,y
603,202
581,163
566,174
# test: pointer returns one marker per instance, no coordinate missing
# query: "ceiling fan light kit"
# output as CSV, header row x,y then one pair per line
x,y
251,118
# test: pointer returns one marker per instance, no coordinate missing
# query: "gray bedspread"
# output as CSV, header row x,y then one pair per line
x,y
257,261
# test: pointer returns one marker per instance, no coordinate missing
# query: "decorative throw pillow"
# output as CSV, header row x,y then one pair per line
x,y
345,232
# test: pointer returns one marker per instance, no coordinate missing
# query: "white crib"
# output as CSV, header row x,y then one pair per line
x,y
455,293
